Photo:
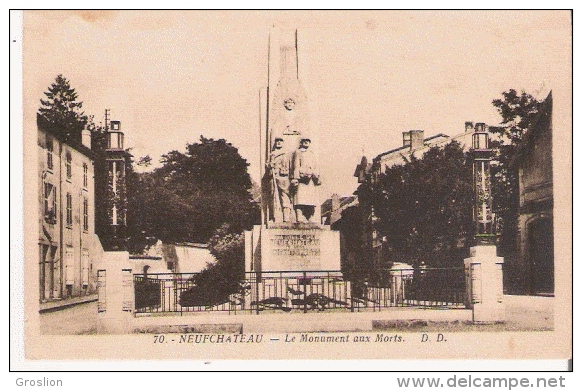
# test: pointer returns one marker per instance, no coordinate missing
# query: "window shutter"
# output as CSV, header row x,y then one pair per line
x,y
85,267
69,267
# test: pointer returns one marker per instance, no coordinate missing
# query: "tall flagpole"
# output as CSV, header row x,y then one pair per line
x,y
261,164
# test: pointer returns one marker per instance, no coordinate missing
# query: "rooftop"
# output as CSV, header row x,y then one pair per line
x,y
426,143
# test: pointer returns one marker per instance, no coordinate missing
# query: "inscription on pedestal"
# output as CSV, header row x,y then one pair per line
x,y
295,251
292,249
289,245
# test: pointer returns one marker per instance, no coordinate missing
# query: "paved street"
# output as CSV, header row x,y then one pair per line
x,y
529,312
80,319
524,313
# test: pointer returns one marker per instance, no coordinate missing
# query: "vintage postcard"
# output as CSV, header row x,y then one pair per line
x,y
297,185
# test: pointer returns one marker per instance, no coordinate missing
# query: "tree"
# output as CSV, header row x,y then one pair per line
x,y
424,208
193,194
63,109
99,145
355,255
518,113
218,281
145,161
204,195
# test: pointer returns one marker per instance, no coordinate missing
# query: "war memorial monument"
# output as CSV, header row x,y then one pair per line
x,y
291,237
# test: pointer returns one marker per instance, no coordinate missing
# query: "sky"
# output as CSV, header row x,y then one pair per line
x,y
172,76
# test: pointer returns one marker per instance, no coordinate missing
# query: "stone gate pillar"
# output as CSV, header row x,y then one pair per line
x,y
115,293
484,276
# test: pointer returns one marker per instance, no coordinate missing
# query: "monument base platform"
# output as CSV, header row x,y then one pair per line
x,y
292,247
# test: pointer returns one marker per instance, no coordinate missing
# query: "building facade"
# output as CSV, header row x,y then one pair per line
x,y
414,143
536,205
68,246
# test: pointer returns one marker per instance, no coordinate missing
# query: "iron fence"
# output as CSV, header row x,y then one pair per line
x,y
171,292
423,287
290,291
302,291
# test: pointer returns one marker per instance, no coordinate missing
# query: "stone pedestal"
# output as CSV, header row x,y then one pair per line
x,y
115,293
484,276
292,247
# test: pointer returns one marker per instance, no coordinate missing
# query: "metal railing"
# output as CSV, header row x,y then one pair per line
x,y
169,292
426,287
302,291
307,291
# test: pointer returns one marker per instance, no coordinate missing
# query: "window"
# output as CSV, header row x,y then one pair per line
x,y
68,168
69,210
85,214
85,175
49,153
50,203
115,140
480,140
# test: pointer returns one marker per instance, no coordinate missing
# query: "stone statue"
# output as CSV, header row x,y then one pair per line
x,y
288,109
305,179
278,173
289,115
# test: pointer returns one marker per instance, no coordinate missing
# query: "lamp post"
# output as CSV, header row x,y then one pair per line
x,y
483,268
483,216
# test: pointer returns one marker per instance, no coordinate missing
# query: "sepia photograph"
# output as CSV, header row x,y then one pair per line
x,y
297,185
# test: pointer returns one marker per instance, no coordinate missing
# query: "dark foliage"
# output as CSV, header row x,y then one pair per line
x,y
98,145
193,194
356,256
147,293
63,109
437,286
203,195
424,208
218,281
518,113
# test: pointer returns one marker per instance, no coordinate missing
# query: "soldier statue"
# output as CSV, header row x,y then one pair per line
x,y
278,169
305,178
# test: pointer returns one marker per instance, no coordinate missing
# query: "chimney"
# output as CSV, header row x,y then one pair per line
x,y
416,139
406,139
86,138
468,126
